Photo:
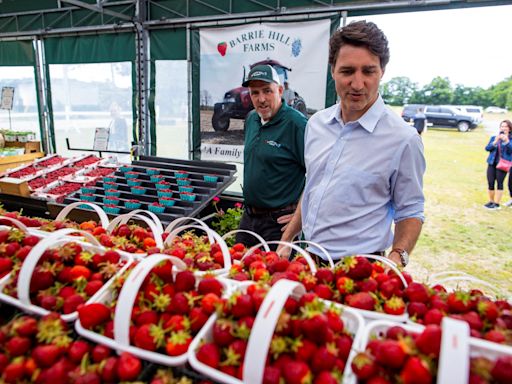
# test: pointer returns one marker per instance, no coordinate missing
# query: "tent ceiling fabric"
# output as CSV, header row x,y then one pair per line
x,y
19,18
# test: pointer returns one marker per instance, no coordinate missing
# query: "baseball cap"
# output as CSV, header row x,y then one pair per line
x,y
263,73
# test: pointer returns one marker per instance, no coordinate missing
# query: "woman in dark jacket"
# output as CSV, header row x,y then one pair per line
x,y
499,146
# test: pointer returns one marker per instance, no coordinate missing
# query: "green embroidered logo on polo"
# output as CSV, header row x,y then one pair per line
x,y
273,143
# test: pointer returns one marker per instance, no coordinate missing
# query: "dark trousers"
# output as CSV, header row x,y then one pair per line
x,y
264,224
496,175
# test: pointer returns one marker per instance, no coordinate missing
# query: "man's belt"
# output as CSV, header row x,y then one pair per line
x,y
252,210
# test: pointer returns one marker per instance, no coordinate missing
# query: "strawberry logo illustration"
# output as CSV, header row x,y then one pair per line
x,y
222,47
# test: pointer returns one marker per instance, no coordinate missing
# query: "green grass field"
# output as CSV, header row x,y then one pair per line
x,y
459,234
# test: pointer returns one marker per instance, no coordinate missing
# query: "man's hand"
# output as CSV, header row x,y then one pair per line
x,y
285,219
395,257
283,251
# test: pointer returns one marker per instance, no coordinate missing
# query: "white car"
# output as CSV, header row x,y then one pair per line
x,y
495,110
477,113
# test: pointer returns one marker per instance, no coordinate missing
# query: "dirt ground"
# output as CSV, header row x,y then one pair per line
x,y
233,136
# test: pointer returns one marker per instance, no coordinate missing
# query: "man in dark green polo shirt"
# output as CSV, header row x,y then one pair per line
x,y
274,171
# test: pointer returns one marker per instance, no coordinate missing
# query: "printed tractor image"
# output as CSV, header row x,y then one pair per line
x,y
237,102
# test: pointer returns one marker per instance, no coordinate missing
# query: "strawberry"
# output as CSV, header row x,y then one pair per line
x,y
271,375
92,315
367,285
80,271
128,367
305,350
46,355
178,343
344,345
496,336
415,371
394,306
88,378
71,303
209,354
149,337
473,319
5,265
66,292
198,318
92,287
99,353
433,316
108,370
77,350
324,275
146,317
458,302
25,326
323,359
325,378
222,332
164,271
416,309
390,353
488,310
106,240
23,252
361,300
242,306
345,285
429,341
417,292
297,372
185,281
209,303
15,371
502,370
358,267
316,328
17,346
395,332
389,288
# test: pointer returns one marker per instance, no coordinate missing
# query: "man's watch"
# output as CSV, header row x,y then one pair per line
x,y
404,255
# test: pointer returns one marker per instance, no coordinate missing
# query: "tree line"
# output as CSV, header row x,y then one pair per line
x,y
402,90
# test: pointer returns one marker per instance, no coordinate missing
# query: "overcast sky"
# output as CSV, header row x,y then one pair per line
x,y
472,46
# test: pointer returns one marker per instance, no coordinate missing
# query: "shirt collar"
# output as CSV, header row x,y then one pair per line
x,y
368,121
277,117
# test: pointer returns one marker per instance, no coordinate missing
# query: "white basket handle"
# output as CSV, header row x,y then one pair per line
x,y
263,329
390,263
127,216
178,223
30,263
101,213
316,245
156,232
16,222
433,278
215,238
258,237
464,278
296,248
130,290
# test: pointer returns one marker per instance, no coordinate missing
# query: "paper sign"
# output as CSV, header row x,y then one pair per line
x,y
101,136
222,152
7,98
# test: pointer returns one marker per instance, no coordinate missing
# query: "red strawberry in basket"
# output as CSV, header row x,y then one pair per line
x,y
18,345
128,367
178,343
46,355
210,285
25,326
502,370
296,372
429,341
185,281
150,337
416,371
93,314
361,300
390,353
209,354
394,306
358,267
458,302
417,292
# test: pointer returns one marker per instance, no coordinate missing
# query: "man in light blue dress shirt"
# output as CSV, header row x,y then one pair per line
x,y
364,164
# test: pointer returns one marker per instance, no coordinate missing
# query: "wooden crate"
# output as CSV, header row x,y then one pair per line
x,y
12,186
30,146
9,162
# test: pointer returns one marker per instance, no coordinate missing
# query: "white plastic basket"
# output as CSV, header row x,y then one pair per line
x,y
460,280
212,237
63,214
55,239
181,221
123,310
261,334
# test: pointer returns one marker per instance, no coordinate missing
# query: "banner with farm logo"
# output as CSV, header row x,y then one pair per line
x,y
298,51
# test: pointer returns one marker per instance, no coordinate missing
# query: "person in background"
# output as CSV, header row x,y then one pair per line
x,y
364,164
498,146
118,130
420,120
274,170
288,94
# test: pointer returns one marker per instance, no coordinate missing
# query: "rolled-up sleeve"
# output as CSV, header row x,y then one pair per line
x,y
408,199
